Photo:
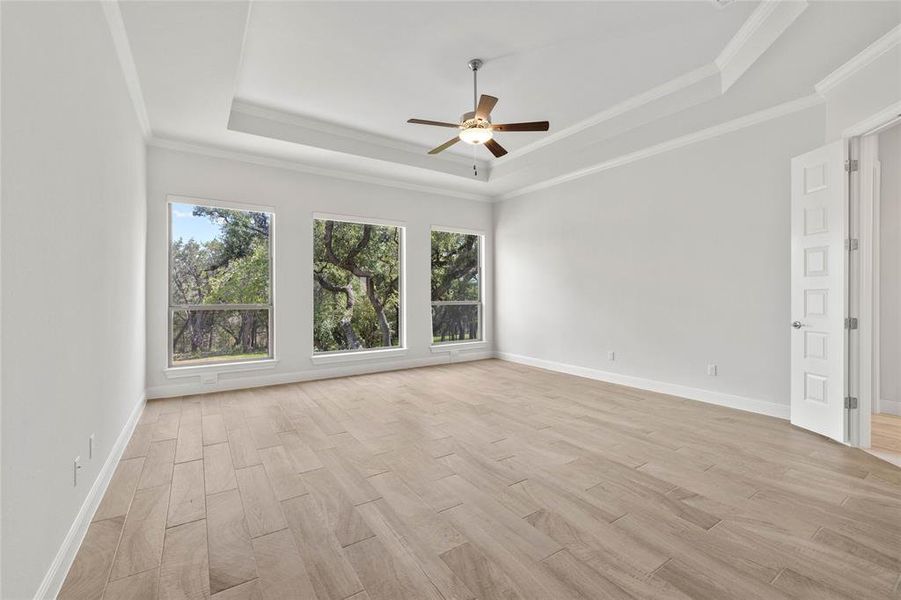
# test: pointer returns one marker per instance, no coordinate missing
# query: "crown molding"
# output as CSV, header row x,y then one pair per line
x,y
661,91
868,125
278,163
701,135
288,118
233,97
763,27
756,35
860,61
745,33
127,63
246,117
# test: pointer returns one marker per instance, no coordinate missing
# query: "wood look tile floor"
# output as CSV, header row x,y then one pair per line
x,y
886,438
485,480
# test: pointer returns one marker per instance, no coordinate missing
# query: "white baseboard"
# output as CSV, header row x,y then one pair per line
x,y
892,407
59,568
754,405
344,370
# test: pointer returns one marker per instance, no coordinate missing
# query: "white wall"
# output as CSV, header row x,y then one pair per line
x,y
672,262
890,268
295,196
73,237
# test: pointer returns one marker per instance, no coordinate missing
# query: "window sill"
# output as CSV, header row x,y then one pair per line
x,y
454,346
358,355
194,370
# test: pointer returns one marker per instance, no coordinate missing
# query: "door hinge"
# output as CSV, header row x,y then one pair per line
x,y
852,165
851,323
850,402
852,244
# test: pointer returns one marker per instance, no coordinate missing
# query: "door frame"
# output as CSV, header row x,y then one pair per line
x,y
863,270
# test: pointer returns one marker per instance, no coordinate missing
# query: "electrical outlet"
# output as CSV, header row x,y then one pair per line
x,y
611,355
76,467
91,447
711,370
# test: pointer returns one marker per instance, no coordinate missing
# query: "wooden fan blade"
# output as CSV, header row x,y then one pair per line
x,y
486,105
496,149
445,145
531,126
436,123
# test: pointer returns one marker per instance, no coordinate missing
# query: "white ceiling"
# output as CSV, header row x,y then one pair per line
x,y
328,86
371,66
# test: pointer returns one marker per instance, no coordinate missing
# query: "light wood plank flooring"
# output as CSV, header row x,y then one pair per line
x,y
886,438
485,480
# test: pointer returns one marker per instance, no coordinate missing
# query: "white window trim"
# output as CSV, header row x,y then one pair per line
x,y
482,342
358,220
463,230
173,370
345,356
224,367
448,347
339,356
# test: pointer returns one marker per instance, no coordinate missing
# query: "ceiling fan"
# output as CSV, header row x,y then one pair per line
x,y
476,126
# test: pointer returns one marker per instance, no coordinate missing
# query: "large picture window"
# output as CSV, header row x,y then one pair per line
x,y
356,286
220,285
456,287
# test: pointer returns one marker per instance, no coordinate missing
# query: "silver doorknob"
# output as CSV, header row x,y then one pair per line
x,y
797,324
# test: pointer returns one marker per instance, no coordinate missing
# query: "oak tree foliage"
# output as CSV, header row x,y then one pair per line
x,y
231,268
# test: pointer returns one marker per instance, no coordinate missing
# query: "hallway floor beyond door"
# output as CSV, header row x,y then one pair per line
x,y
886,438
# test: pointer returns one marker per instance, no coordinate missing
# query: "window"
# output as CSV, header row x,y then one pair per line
x,y
220,285
456,287
356,286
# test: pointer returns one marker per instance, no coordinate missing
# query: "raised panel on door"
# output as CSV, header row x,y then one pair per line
x,y
818,231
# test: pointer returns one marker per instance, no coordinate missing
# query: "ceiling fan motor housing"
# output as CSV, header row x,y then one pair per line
x,y
469,122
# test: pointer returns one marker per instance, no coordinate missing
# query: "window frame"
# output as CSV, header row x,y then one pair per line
x,y
262,362
338,356
481,341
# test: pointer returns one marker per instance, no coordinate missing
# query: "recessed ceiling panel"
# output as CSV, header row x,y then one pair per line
x,y
371,66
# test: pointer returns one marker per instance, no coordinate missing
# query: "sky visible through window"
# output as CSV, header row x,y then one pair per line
x,y
186,226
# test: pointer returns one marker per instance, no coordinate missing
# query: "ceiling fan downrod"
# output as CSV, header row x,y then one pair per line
x,y
475,64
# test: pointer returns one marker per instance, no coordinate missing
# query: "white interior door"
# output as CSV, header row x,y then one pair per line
x,y
818,231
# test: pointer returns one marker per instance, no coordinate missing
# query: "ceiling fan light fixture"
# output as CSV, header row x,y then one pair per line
x,y
475,126
476,135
